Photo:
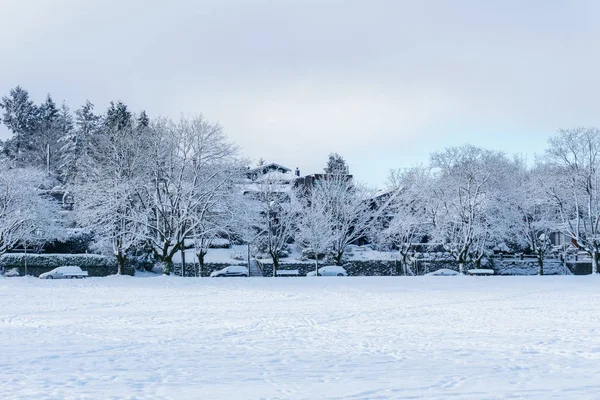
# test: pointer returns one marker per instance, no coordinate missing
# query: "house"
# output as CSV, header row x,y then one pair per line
x,y
255,173
307,182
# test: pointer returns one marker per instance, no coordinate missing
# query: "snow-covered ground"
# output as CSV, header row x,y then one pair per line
x,y
301,338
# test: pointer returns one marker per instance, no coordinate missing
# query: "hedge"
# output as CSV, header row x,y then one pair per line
x,y
94,264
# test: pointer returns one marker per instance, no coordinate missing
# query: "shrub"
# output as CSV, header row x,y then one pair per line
x,y
96,265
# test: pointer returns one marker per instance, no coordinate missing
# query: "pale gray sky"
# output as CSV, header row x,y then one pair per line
x,y
383,83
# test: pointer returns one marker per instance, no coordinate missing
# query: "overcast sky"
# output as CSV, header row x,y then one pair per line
x,y
383,83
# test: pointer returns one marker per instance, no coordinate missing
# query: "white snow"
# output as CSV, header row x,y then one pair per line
x,y
218,256
300,338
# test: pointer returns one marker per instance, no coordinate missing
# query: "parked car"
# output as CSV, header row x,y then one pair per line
x,y
66,272
329,270
480,272
443,272
232,270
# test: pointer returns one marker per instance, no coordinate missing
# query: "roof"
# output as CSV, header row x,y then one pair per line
x,y
269,166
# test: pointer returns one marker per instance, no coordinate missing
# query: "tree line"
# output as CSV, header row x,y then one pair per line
x,y
156,186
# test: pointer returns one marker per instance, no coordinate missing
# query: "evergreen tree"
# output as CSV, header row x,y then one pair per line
x,y
65,119
47,134
118,117
143,121
336,165
78,144
66,140
21,117
48,113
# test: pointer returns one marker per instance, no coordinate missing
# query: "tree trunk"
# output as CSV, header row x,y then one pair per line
x,y
595,257
166,266
540,260
201,262
316,266
120,264
338,258
461,262
275,266
461,267
182,261
248,259
404,263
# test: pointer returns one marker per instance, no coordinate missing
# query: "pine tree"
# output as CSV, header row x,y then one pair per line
x,y
48,113
143,121
47,135
65,119
21,117
118,117
336,165
78,143
67,139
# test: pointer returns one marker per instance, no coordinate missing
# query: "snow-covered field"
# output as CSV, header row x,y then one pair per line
x,y
301,338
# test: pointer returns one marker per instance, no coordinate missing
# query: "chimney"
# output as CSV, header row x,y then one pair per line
x,y
297,172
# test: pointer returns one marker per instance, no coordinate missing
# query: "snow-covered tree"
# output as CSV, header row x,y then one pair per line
x,y
276,214
46,145
470,187
107,202
143,121
36,130
78,144
315,224
532,212
191,165
336,165
406,219
65,125
20,115
350,207
217,217
118,117
25,212
573,159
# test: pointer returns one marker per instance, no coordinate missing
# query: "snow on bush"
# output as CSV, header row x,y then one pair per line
x,y
51,261
12,272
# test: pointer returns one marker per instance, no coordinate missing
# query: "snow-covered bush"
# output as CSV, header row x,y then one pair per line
x,y
50,261
220,243
12,272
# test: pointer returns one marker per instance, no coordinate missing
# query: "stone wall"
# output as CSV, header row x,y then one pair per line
x,y
423,266
192,269
528,267
354,268
580,267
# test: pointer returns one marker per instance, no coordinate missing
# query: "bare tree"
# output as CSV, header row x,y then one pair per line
x,y
277,211
350,207
107,203
406,219
573,159
191,164
216,219
533,214
469,186
25,211
315,224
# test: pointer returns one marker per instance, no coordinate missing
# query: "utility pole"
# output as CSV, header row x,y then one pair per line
x,y
248,259
48,159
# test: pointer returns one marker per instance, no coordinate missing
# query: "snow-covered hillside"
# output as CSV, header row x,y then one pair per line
x,y
350,338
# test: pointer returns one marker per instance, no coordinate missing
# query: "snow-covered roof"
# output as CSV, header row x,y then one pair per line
x,y
266,167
